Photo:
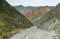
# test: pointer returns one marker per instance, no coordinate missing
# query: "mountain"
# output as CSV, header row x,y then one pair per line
x,y
48,27
50,21
11,20
23,9
36,13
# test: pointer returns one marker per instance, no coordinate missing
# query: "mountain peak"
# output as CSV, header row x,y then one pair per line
x,y
58,5
21,5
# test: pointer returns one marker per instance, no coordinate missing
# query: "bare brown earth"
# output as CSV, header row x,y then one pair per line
x,y
36,12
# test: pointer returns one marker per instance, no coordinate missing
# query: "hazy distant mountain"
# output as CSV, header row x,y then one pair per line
x,y
11,20
23,9
36,13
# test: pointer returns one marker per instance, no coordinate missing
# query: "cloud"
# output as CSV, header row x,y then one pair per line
x,y
34,2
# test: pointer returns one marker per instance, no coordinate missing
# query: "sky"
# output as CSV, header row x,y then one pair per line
x,y
34,2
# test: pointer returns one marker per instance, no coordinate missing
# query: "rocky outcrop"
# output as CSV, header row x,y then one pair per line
x,y
37,12
51,20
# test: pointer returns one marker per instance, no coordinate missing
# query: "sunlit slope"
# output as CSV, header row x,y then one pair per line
x,y
51,20
37,12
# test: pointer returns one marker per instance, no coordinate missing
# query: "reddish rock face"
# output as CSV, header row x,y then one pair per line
x,y
38,11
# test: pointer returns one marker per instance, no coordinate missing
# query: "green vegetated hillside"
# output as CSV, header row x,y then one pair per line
x,y
11,20
50,21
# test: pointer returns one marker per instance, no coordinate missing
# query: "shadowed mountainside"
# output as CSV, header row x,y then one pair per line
x,y
11,20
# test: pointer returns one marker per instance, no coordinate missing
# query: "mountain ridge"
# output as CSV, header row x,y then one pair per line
x,y
11,20
23,9
37,12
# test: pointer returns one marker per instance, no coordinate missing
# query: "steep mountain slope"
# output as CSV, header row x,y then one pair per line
x,y
51,20
11,20
24,10
36,13
48,24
